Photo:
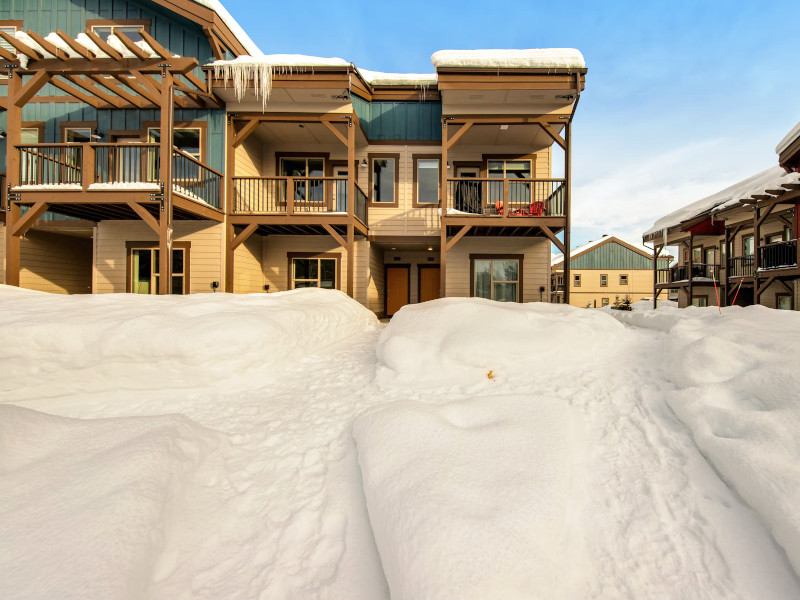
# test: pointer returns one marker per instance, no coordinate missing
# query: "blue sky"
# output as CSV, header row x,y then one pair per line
x,y
682,98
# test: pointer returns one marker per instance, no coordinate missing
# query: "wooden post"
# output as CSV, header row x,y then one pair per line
x,y
656,253
165,151
230,172
87,166
351,258
690,271
230,234
443,217
13,138
725,284
756,252
567,206
351,175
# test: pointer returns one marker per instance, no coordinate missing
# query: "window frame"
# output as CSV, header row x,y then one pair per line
x,y
201,125
518,257
531,158
18,25
371,157
38,125
415,192
603,279
65,126
703,298
778,296
91,24
626,280
290,256
185,246
604,302
781,235
750,237
576,280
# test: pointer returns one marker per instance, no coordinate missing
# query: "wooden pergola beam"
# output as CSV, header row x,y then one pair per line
x,y
130,84
128,43
116,89
36,83
29,218
153,43
50,47
103,45
75,46
20,47
6,55
80,82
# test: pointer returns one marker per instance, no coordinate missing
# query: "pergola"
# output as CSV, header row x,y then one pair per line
x,y
105,74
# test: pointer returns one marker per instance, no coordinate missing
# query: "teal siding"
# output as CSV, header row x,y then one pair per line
x,y
388,121
614,256
180,36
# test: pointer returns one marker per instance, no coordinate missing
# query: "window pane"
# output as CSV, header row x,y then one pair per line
x,y
518,169
428,181
496,169
78,135
483,279
306,268
177,284
293,167
785,302
327,275
304,284
102,32
316,167
141,271
506,270
130,31
177,262
505,292
187,140
383,180
29,136
748,246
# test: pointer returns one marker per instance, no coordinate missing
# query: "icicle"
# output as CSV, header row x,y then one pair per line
x,y
260,73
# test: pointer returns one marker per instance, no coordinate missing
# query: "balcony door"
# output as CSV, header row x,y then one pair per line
x,y
310,191
519,192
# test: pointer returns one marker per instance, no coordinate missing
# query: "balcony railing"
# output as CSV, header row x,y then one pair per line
x,y
296,196
663,276
117,167
781,255
505,197
741,266
700,271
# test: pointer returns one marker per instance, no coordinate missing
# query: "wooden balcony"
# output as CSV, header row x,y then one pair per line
x,y
96,181
298,202
778,256
681,275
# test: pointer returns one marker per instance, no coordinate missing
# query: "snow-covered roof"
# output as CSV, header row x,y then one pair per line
x,y
770,179
231,23
380,78
788,139
559,258
535,58
284,60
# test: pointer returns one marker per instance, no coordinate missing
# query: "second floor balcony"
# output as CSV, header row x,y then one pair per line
x,y
509,198
780,255
699,273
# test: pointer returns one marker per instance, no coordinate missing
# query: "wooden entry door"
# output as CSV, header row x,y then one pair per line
x,y
428,282
397,288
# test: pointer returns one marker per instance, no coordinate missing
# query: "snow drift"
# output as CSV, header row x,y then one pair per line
x,y
88,505
458,342
471,499
101,342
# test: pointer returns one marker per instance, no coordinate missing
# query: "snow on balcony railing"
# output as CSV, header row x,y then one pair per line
x,y
514,197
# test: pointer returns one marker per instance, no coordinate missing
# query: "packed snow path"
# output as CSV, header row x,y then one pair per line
x,y
262,491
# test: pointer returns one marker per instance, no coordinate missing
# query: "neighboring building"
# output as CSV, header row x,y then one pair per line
x,y
604,272
740,244
282,171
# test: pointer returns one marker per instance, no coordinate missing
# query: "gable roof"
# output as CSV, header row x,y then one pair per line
x,y
557,260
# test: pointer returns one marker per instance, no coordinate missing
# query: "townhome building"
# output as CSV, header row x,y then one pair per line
x,y
738,246
278,171
605,272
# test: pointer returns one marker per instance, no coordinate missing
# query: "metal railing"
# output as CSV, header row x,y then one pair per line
x,y
705,271
126,163
741,266
193,179
2,192
512,197
781,255
50,164
681,273
295,195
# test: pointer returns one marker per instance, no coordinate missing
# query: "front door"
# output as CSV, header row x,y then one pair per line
x,y
397,288
428,283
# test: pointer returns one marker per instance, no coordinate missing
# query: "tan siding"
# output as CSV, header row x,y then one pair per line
x,y
376,280
590,294
111,262
248,277
52,262
2,252
249,158
536,264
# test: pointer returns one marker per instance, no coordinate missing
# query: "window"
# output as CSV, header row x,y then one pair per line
x,y
8,27
426,179
509,169
700,301
604,302
519,192
314,272
603,280
576,280
130,28
784,302
623,280
497,277
697,255
144,270
187,139
313,191
78,132
384,178
747,245
775,238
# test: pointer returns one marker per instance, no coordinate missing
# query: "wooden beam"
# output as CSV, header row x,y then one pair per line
x,y
103,45
51,48
459,134
461,233
144,215
104,81
196,81
79,49
242,237
791,186
761,288
552,237
166,124
29,218
555,137
98,93
130,83
128,43
339,239
36,83
766,212
335,132
216,47
153,43
20,47
6,55
245,132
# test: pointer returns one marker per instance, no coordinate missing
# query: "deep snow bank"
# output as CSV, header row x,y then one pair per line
x,y
88,506
471,499
737,381
457,342
101,342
